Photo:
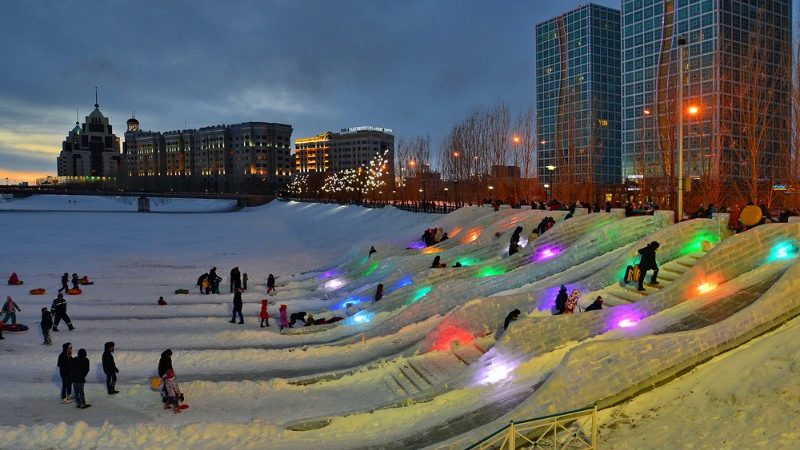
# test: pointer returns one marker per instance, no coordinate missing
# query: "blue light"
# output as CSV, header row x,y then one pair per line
x,y
343,304
402,282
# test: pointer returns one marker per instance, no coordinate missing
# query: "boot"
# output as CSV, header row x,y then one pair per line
x,y
69,325
241,322
232,321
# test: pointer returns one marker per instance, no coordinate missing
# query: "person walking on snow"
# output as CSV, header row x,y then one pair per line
x,y
64,282
235,279
10,310
173,391
79,368
264,314
46,323
64,363
164,365
59,309
284,316
237,306
270,284
110,368
648,262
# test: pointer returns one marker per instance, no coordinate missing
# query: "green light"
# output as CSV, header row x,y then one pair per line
x,y
372,268
363,260
421,292
696,243
490,271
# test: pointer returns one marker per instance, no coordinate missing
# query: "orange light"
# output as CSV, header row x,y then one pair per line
x,y
646,112
707,286
430,250
455,154
412,163
693,110
517,139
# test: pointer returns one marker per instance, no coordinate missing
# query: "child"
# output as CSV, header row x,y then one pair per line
x,y
244,281
174,394
264,313
284,317
572,301
46,324
76,282
10,310
161,301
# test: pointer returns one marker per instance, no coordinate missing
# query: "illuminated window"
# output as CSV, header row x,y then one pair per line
x,y
602,122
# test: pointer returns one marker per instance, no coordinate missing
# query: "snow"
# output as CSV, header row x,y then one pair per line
x,y
421,366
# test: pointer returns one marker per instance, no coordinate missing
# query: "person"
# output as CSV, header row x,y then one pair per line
x,y
64,362
174,396
572,301
299,316
214,280
513,245
237,306
648,262
596,305
46,323
371,251
110,368
202,282
85,281
76,282
512,316
437,237
608,207
244,281
283,316
436,262
711,211
14,280
310,320
59,310
444,237
379,292
561,300
10,310
79,368
235,279
264,315
161,301
64,282
164,365
270,283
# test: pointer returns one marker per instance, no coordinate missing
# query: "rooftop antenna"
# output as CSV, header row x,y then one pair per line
x,y
76,116
133,114
96,105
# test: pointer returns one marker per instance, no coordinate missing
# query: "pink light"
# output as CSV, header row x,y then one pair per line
x,y
627,323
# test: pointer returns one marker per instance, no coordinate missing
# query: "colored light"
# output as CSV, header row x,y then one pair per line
x,y
627,323
432,250
707,286
417,245
334,284
783,250
498,371
468,261
371,268
490,271
421,292
403,282
450,334
545,253
343,303
330,274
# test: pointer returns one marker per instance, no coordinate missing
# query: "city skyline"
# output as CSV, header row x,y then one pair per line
x,y
417,68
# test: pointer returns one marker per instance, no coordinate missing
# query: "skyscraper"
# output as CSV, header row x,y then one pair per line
x,y
735,93
90,150
578,100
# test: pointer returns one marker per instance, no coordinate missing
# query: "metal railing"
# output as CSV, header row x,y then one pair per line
x,y
558,431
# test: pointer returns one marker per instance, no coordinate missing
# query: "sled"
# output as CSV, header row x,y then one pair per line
x,y
181,291
85,282
14,328
155,383
38,291
74,291
183,406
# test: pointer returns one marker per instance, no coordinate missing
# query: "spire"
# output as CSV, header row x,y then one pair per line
x,y
76,116
96,104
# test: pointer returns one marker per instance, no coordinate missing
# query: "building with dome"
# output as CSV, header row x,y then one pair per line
x,y
91,151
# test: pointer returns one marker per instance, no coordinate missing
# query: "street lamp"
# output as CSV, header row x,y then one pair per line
x,y
456,155
681,51
550,168
445,195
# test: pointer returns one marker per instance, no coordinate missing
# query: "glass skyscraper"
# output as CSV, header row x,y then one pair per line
x,y
735,92
578,94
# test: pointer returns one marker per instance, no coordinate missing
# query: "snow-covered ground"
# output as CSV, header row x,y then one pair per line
x,y
403,372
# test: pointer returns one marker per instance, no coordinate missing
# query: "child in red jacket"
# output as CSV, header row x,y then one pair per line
x,y
284,317
264,314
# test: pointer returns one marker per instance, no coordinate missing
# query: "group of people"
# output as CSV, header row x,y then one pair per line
x,y
544,225
433,236
75,280
567,303
73,372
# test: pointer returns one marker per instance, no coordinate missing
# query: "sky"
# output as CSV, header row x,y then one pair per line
x,y
415,66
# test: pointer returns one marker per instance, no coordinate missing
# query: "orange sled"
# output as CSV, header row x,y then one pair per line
x,y
39,291
74,291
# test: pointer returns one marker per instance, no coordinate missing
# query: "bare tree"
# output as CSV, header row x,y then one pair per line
x,y
525,127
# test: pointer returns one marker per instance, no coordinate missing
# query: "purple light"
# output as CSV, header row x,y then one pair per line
x,y
627,323
545,253
330,273
625,316
417,245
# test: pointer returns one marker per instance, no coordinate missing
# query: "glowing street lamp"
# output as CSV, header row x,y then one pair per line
x,y
693,110
517,140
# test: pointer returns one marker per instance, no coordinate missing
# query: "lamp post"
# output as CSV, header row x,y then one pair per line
x,y
681,51
456,155
547,186
516,139
445,196
551,169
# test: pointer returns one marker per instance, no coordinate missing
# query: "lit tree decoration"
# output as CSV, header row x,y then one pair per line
x,y
299,183
362,179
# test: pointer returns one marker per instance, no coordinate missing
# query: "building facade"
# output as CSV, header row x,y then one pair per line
x,y
733,78
351,148
578,97
90,150
244,157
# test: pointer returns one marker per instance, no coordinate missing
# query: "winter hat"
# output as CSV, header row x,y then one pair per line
x,y
82,353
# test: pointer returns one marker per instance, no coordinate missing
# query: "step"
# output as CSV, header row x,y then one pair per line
x,y
609,299
406,386
467,354
414,377
629,293
394,386
438,368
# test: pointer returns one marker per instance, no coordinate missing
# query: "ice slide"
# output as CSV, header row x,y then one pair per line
x,y
526,383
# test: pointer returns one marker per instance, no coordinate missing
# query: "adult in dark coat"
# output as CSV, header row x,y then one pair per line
x,y
379,292
596,305
214,280
436,262
513,245
79,368
64,361
561,300
512,316
165,363
297,317
59,309
76,282
64,282
110,368
237,306
46,323
648,262
235,279
270,283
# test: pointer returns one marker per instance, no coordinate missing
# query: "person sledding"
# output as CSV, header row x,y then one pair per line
x,y
173,391
371,251
596,305
202,283
14,280
299,316
76,282
10,310
84,281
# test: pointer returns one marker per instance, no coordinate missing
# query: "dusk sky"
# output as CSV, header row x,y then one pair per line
x,y
414,66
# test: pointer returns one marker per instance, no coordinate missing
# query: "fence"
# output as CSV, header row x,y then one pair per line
x,y
558,431
424,207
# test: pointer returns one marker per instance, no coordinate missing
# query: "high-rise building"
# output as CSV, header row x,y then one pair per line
x,y
733,76
244,157
578,97
349,149
91,149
